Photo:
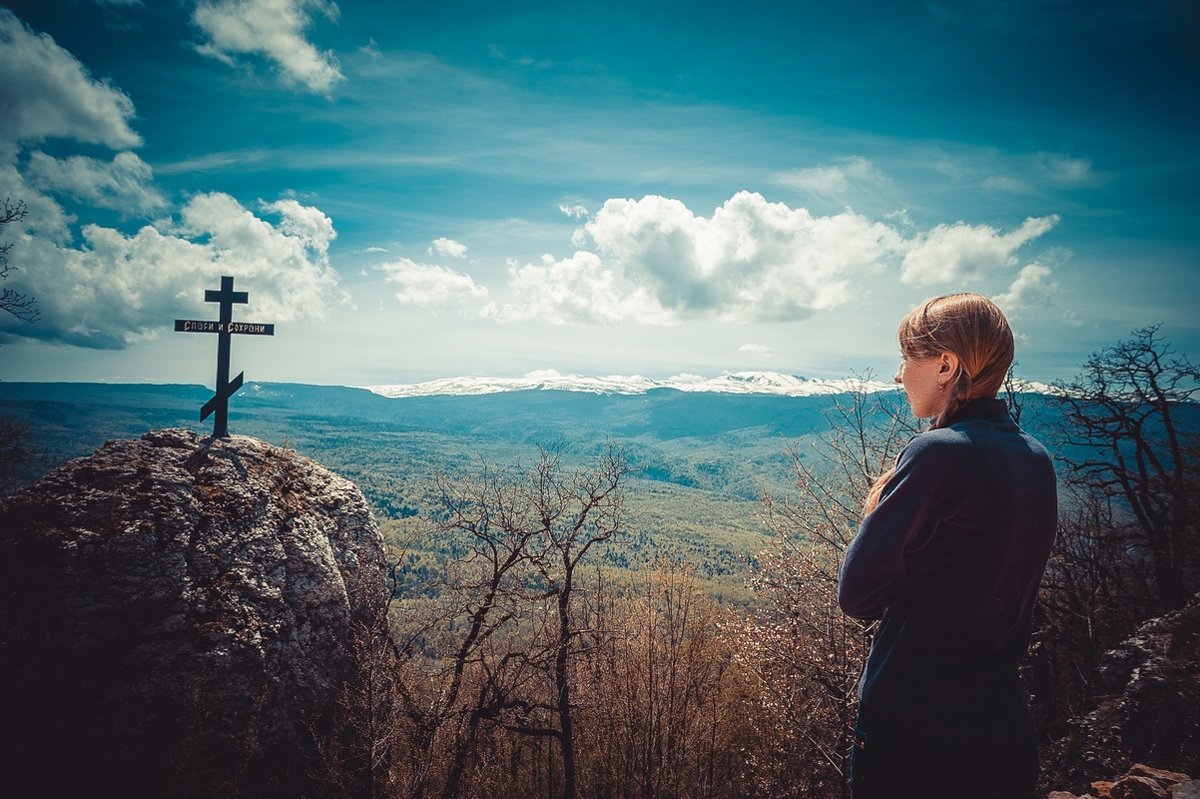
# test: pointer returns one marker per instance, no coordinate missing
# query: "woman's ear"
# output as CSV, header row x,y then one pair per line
x,y
948,366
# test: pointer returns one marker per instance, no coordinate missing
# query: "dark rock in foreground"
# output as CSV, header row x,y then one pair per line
x,y
1151,710
176,618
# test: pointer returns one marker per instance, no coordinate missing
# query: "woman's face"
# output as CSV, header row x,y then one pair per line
x,y
922,380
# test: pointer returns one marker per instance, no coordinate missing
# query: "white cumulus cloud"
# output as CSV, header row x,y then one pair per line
x,y
1031,287
273,29
751,261
122,184
46,92
114,289
961,252
304,224
578,290
432,286
574,211
448,248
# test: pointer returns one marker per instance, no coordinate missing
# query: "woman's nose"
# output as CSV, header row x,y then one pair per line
x,y
896,377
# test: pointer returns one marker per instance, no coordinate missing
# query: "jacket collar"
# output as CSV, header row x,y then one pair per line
x,y
992,409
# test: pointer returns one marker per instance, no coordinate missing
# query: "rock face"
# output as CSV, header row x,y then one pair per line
x,y
177,618
1152,711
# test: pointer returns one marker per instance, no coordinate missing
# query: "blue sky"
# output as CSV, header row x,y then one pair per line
x,y
418,191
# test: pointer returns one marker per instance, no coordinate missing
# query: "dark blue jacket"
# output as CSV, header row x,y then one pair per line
x,y
950,560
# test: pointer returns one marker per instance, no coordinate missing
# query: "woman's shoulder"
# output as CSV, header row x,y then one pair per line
x,y
974,443
940,438
944,444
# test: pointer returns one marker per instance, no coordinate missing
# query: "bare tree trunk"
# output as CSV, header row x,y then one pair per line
x,y
562,684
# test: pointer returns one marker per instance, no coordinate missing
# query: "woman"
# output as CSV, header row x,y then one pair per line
x,y
949,557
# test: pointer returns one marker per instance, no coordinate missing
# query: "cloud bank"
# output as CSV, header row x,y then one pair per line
x,y
653,261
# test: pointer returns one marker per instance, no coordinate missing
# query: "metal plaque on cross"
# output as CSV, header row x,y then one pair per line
x,y
224,328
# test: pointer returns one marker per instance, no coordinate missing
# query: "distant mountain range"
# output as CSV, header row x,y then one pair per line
x,y
720,449
727,435
773,383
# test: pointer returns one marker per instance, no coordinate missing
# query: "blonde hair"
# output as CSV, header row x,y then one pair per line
x,y
971,327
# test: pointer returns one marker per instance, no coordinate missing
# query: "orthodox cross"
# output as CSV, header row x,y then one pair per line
x,y
223,328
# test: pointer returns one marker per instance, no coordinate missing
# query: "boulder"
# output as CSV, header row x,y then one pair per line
x,y
178,617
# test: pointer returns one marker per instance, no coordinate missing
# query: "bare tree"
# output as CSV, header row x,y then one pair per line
x,y
490,659
810,653
1013,396
574,513
667,709
22,306
456,645
1130,434
495,513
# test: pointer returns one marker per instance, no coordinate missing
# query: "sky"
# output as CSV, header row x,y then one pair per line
x,y
411,191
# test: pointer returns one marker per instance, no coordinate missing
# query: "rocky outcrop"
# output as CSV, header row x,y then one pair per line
x,y
177,617
1151,713
1140,782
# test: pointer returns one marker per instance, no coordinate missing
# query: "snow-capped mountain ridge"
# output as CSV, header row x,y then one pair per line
x,y
774,383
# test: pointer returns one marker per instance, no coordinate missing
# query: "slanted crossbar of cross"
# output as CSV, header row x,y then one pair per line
x,y
227,297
